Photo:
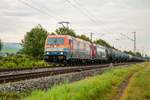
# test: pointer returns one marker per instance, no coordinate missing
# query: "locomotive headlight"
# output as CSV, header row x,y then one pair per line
x,y
47,52
61,53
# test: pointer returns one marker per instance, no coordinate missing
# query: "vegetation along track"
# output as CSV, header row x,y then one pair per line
x,y
12,76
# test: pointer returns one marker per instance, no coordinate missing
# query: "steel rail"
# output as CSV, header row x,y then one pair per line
x,y
25,75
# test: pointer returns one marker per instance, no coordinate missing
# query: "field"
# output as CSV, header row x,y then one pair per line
x,y
101,87
11,47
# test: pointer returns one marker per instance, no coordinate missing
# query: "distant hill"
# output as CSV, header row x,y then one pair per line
x,y
11,47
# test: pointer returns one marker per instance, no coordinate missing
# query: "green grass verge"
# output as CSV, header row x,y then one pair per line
x,y
12,96
139,86
20,61
100,87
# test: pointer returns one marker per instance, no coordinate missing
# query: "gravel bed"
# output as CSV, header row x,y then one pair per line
x,y
46,82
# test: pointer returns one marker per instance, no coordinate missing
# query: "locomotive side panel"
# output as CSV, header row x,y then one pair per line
x,y
80,49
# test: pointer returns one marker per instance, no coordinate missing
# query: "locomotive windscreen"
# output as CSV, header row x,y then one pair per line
x,y
55,41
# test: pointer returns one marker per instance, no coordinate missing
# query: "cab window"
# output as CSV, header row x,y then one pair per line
x,y
55,41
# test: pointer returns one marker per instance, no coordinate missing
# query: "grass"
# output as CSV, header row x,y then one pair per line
x,y
12,96
9,51
100,87
20,61
139,86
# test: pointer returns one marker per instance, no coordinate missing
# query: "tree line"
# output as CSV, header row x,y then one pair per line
x,y
0,45
34,41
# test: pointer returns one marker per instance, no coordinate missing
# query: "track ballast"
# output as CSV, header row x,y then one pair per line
x,y
13,76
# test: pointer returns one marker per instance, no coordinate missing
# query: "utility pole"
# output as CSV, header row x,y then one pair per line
x,y
91,36
134,33
64,23
132,39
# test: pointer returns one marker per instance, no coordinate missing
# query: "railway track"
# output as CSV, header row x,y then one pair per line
x,y
13,76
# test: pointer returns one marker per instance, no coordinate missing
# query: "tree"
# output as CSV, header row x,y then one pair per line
x,y
138,54
133,54
1,45
84,37
65,31
33,43
129,52
103,43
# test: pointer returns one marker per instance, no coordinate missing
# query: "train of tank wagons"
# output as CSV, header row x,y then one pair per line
x,y
68,49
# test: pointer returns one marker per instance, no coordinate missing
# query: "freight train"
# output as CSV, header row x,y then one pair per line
x,y
67,49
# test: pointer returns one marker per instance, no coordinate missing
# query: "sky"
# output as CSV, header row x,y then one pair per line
x,y
105,18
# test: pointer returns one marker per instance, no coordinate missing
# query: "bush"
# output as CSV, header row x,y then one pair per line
x,y
21,61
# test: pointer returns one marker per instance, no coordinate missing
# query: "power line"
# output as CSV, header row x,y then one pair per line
x,y
127,36
55,13
48,10
86,10
134,40
81,11
36,8
89,13
60,17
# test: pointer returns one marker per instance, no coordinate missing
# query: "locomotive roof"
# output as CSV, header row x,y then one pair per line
x,y
78,39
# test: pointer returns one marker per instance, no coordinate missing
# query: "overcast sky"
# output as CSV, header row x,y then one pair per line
x,y
106,18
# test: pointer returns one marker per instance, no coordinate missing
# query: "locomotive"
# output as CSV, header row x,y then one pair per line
x,y
68,49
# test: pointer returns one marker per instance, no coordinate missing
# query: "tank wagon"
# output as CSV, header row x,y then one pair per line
x,y
68,49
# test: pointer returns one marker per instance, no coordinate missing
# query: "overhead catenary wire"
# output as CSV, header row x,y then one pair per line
x,y
37,9
91,18
87,14
60,17
48,10
81,11
86,10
